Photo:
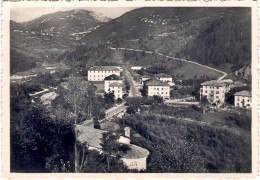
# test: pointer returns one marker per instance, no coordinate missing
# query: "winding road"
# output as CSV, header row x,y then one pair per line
x,y
174,58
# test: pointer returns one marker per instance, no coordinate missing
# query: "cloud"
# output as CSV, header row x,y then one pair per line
x,y
24,14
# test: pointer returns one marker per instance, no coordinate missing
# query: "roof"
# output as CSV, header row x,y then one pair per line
x,y
135,152
163,75
115,84
145,76
212,83
113,77
104,68
90,135
243,93
155,82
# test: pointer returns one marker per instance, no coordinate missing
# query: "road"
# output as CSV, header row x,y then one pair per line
x,y
133,91
174,58
115,110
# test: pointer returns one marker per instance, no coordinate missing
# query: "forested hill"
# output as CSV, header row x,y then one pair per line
x,y
219,37
54,32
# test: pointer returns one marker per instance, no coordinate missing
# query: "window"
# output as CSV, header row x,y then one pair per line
x,y
165,92
217,97
211,91
237,104
162,92
217,87
247,100
162,88
157,89
217,92
206,91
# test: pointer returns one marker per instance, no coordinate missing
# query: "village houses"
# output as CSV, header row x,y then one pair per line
x,y
243,99
99,73
213,91
157,87
136,68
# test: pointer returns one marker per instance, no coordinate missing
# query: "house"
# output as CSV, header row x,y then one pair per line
x,y
156,87
214,91
144,78
136,68
111,79
134,158
117,89
243,99
99,73
164,77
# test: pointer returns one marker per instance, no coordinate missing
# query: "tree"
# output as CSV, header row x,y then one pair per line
x,y
110,146
204,103
109,99
79,95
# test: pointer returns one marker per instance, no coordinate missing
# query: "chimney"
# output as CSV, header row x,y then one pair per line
x,y
127,132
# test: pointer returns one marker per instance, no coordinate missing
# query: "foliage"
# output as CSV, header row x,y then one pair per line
x,y
109,99
19,62
184,146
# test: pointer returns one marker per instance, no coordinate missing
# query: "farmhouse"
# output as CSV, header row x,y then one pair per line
x,y
214,91
99,73
243,99
156,87
164,77
134,158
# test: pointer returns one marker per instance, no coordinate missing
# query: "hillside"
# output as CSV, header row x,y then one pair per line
x,y
48,36
216,37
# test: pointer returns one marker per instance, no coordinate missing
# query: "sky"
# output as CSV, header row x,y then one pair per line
x,y
30,13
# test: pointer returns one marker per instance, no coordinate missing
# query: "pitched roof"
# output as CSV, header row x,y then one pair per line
x,y
113,77
115,84
212,83
135,152
163,75
155,82
104,68
243,93
90,136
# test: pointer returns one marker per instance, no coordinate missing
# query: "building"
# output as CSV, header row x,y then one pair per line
x,y
136,68
214,91
164,77
117,89
134,158
144,78
156,87
111,79
99,73
243,99
227,83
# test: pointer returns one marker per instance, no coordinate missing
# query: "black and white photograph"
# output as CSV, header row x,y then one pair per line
x,y
131,90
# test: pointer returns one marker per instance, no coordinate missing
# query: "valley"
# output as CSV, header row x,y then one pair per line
x,y
155,90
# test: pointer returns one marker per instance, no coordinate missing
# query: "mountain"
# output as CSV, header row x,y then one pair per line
x,y
218,37
52,34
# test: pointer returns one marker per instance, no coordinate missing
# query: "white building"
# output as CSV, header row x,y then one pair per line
x,y
243,99
164,77
117,89
156,87
99,73
136,68
214,91
111,79
227,83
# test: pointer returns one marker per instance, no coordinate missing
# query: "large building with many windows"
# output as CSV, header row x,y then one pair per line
x,y
213,91
99,73
243,99
157,87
